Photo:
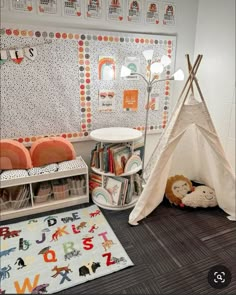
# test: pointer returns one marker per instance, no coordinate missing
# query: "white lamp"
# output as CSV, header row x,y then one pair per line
x,y
155,68
148,54
178,75
125,72
165,60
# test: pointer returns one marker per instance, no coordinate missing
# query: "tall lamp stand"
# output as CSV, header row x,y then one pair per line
x,y
153,69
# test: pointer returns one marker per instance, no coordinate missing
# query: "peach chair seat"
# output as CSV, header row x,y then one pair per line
x,y
14,155
49,150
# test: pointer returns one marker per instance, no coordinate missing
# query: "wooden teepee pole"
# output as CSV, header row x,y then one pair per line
x,y
192,75
189,71
189,77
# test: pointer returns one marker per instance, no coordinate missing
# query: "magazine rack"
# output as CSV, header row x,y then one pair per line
x,y
102,194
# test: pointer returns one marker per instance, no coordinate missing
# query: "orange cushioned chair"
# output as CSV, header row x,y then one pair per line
x,y
14,155
49,150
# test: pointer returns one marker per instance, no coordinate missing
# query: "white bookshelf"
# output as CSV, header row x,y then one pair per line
x,y
52,203
116,135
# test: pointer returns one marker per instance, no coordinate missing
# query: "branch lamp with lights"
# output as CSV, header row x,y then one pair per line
x,y
154,69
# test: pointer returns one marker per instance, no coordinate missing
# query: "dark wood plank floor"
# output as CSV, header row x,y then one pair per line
x,y
172,251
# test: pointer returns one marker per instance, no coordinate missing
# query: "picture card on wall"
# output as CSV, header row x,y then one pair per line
x,y
169,14
22,5
106,100
153,102
93,9
134,11
72,8
106,68
152,12
130,100
115,10
133,63
47,7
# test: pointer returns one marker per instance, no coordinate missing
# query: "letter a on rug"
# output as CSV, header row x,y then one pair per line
x,y
56,252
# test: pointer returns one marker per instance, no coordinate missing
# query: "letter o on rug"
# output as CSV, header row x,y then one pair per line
x,y
49,150
14,155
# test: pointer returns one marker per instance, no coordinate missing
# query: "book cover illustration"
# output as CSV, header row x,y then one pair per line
x,y
133,163
134,11
152,12
124,189
72,8
106,100
120,159
114,187
115,10
93,9
106,68
130,100
102,196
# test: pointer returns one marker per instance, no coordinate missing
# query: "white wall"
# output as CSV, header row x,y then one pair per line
x,y
215,39
186,18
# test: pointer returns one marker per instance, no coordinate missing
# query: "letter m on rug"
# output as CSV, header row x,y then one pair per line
x,y
26,285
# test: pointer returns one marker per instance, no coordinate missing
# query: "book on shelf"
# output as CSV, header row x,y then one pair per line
x,y
94,162
139,148
130,192
114,187
95,180
106,159
117,187
137,184
120,158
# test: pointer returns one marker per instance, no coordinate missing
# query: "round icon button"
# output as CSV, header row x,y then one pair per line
x,y
219,276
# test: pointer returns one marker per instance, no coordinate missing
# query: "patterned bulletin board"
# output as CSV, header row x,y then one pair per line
x,y
58,92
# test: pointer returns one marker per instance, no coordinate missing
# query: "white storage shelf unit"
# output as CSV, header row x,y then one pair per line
x,y
116,135
34,207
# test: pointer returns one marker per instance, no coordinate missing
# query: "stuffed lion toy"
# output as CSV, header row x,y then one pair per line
x,y
176,188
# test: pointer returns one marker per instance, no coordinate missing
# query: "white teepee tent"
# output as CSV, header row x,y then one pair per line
x,y
189,146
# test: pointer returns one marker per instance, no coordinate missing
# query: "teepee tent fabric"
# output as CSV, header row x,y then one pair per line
x,y
189,146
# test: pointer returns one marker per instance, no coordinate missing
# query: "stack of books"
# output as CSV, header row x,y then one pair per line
x,y
122,189
110,157
95,180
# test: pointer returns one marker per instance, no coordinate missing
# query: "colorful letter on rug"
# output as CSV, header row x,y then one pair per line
x,y
52,253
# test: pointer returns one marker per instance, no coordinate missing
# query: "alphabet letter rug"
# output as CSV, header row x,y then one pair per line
x,y
53,253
